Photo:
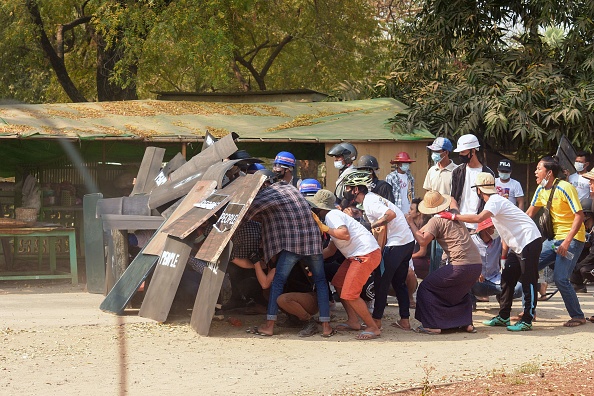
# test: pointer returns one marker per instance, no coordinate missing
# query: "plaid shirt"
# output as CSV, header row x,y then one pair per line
x,y
392,179
287,223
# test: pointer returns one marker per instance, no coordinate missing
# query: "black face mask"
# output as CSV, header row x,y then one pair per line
x,y
465,158
280,174
349,195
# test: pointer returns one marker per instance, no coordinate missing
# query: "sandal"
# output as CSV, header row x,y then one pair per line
x,y
255,331
347,327
574,322
333,332
367,335
399,326
422,330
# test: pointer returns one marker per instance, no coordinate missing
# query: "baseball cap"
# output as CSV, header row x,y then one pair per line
x,y
441,143
485,182
504,165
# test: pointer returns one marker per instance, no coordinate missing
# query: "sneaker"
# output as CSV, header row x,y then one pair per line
x,y
310,329
520,326
497,321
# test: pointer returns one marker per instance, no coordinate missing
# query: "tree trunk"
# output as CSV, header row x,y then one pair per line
x,y
106,61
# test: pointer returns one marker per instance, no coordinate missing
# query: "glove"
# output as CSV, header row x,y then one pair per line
x,y
447,215
502,262
323,227
254,257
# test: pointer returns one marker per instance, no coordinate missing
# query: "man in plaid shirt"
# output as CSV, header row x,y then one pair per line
x,y
290,233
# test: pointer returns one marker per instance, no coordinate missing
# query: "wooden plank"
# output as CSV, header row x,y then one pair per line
x,y
148,171
200,190
230,218
217,171
165,281
130,222
182,180
192,219
125,288
174,164
208,292
94,244
136,205
117,258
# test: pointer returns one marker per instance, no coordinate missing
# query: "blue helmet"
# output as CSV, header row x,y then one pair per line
x,y
255,167
309,186
285,158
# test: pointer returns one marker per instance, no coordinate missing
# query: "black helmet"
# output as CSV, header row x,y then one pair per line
x,y
240,154
270,175
347,150
367,161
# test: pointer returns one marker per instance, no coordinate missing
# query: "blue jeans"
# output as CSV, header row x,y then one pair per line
x,y
562,272
488,288
284,265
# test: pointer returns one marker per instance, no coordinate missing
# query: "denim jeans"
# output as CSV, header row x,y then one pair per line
x,y
488,288
284,265
562,272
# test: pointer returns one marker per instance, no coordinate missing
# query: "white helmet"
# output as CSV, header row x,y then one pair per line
x,y
467,142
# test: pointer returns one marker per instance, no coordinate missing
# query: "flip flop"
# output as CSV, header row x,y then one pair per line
x,y
255,331
367,335
422,330
465,328
591,319
347,327
333,332
574,322
399,326
547,296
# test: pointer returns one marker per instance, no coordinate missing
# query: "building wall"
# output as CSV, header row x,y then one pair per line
x,y
384,152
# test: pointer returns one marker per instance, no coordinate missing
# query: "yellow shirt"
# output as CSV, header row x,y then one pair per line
x,y
563,208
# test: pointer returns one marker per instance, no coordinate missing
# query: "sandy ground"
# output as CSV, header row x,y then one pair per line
x,y
55,340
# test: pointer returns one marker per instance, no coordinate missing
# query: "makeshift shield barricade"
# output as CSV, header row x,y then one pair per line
x,y
566,154
149,169
94,249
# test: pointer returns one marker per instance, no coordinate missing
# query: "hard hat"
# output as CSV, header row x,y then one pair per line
x,y
402,157
255,167
467,142
358,178
345,149
309,186
367,161
285,158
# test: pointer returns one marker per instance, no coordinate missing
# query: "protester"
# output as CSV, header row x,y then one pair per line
x,y
443,298
577,179
379,187
402,181
362,256
284,166
521,240
464,197
567,216
398,247
584,269
344,155
289,232
507,187
421,257
439,176
308,187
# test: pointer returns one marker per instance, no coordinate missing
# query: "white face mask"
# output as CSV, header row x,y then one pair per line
x,y
404,167
436,157
338,164
579,166
504,176
494,235
544,182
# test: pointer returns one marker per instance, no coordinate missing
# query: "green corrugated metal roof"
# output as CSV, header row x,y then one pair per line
x,y
175,121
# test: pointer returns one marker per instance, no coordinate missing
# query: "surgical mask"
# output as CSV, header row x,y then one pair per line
x,y
338,164
579,166
494,235
436,157
465,158
544,182
404,167
504,175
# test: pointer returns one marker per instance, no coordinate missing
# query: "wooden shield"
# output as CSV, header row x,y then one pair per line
x,y
149,169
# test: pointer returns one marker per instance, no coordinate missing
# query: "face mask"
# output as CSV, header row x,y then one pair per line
x,y
494,235
435,157
338,164
465,158
404,167
504,176
348,195
544,181
579,166
279,174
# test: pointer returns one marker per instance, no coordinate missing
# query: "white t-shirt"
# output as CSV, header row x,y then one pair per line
x,y
515,227
403,185
399,232
470,201
510,190
360,243
581,184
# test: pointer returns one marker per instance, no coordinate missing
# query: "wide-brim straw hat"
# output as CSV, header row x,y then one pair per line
x,y
589,175
322,199
434,202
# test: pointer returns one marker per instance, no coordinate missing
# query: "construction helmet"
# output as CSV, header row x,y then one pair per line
x,y
255,167
309,186
358,178
467,142
285,158
347,150
367,161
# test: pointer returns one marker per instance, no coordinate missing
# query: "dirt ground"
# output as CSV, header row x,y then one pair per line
x,y
55,340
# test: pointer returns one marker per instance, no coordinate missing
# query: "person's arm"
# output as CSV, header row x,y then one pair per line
x,y
340,233
424,238
384,219
265,279
578,220
520,202
532,210
329,250
467,218
421,253
243,263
